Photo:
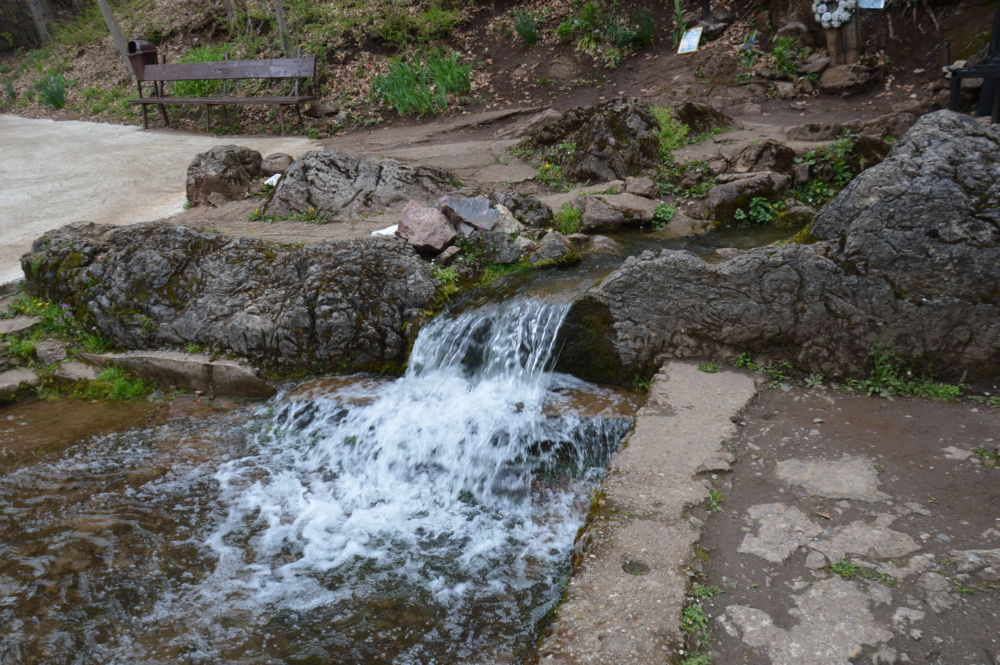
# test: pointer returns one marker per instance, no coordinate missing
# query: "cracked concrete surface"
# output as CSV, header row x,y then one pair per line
x,y
885,491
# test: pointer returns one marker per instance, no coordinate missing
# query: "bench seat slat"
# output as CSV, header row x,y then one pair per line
x,y
301,99
231,69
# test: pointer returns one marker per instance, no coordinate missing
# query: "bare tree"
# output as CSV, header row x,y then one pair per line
x,y
286,46
116,33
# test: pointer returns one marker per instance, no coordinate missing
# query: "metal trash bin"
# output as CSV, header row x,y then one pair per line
x,y
141,53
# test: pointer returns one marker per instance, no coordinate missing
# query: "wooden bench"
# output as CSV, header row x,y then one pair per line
x,y
156,75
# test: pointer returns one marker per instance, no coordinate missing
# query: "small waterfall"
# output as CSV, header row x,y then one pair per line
x,y
425,520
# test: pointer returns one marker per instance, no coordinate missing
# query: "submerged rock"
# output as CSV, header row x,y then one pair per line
x,y
228,170
174,369
908,258
340,186
332,305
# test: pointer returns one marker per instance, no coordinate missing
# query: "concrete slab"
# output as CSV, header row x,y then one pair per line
x,y
53,173
624,603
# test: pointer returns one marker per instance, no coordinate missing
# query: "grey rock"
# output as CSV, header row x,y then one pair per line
x,y
74,371
848,79
603,245
175,369
530,124
613,139
815,65
578,239
554,247
815,560
347,304
525,245
725,199
469,212
277,162
14,382
634,209
785,89
908,257
526,208
50,351
425,228
800,173
874,540
228,170
766,155
701,118
781,530
641,186
343,186
19,325
683,225
599,215
496,247
447,256
935,587
507,223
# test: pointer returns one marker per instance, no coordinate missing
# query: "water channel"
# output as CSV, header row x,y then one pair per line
x,y
423,519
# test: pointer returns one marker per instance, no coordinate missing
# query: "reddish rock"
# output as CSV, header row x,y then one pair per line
x,y
425,228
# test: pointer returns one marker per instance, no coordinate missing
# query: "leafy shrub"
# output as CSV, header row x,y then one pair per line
x,y
52,90
645,29
203,88
423,87
673,133
398,26
888,377
783,54
567,220
550,175
525,26
662,215
759,212
680,26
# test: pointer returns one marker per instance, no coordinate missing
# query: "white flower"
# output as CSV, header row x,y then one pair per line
x,y
821,9
827,17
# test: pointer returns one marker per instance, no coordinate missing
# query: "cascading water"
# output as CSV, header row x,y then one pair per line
x,y
423,520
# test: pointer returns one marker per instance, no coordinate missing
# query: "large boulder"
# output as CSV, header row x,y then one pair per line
x,y
225,169
526,208
339,186
701,118
426,228
611,140
735,191
333,305
908,258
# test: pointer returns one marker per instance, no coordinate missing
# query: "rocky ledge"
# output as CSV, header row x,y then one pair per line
x,y
907,257
333,305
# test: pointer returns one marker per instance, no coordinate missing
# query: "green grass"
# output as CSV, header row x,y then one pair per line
x,y
51,90
526,26
423,86
890,377
494,271
989,458
116,384
708,368
203,88
850,571
312,216
672,133
783,54
705,592
759,212
567,220
715,500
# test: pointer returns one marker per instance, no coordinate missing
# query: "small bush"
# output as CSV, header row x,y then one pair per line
x,y
759,212
52,90
645,30
673,133
423,87
783,54
888,377
204,88
662,215
567,220
550,175
525,26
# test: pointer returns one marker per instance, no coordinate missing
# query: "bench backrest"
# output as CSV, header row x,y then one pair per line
x,y
275,68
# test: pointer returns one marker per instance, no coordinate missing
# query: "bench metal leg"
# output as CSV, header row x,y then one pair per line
x,y
956,91
163,112
995,116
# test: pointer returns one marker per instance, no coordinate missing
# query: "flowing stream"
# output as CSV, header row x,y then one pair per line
x,y
427,519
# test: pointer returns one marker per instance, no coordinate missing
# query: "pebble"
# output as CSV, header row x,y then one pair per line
x,y
944,538
818,420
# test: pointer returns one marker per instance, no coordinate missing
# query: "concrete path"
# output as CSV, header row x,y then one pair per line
x,y
53,173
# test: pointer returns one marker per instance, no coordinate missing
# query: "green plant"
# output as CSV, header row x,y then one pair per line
x,y
115,383
745,361
52,90
708,368
814,380
694,620
645,30
9,90
526,26
567,220
850,571
989,458
777,373
662,214
715,499
748,53
783,54
697,659
705,592
551,175
672,132
758,212
191,347
641,383
423,86
680,26
888,377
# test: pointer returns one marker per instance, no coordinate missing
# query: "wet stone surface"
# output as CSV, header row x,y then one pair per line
x,y
857,530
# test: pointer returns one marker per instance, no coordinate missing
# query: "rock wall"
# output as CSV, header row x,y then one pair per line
x,y
333,305
908,258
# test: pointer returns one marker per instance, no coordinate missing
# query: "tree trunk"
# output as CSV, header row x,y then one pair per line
x,y
116,33
286,45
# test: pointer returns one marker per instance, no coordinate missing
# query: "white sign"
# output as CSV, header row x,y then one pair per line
x,y
871,4
689,44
